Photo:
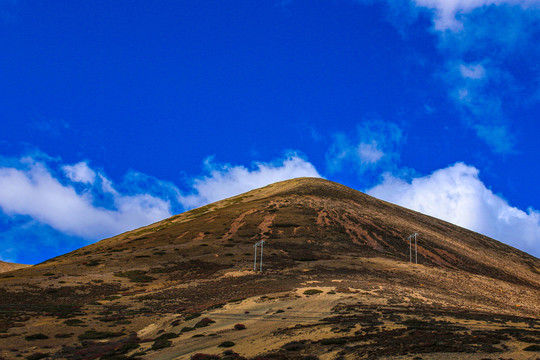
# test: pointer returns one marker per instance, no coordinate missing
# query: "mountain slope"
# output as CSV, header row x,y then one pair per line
x,y
317,234
8,266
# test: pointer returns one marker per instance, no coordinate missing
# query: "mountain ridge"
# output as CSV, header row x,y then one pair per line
x,y
320,238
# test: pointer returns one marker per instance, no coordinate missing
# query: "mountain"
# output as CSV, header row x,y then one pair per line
x,y
337,282
8,266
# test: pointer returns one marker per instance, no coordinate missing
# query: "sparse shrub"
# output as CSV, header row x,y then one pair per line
x,y
239,327
36,337
135,276
204,322
312,292
197,335
187,329
37,356
532,348
229,254
331,292
280,311
200,356
333,341
167,336
96,335
192,316
294,346
48,274
63,336
226,344
74,322
161,344
93,263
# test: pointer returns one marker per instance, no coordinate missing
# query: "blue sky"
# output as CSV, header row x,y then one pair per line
x,y
117,114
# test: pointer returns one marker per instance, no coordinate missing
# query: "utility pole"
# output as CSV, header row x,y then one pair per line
x,y
415,248
261,243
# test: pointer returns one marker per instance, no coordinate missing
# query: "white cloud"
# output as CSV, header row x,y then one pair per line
x,y
472,71
369,153
448,11
80,172
374,146
456,194
224,181
32,190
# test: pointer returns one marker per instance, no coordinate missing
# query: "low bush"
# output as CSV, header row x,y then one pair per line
x,y
161,344
37,356
239,327
226,344
192,316
200,356
312,292
333,341
294,346
204,322
36,337
97,335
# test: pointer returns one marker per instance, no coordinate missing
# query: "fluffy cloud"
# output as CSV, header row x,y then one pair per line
x,y
223,181
447,11
456,194
80,172
480,42
374,146
33,190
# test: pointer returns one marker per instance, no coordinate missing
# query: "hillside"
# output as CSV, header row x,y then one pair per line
x,y
8,266
336,283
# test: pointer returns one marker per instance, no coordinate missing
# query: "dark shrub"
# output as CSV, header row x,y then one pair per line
x,y
334,341
532,348
239,327
97,335
204,357
36,337
226,344
312,292
161,344
74,322
204,322
37,356
167,336
294,346
192,316
186,329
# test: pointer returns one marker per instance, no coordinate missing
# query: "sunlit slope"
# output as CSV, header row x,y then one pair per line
x,y
308,220
8,266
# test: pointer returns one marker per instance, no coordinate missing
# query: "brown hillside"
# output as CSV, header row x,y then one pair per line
x,y
140,293
7,266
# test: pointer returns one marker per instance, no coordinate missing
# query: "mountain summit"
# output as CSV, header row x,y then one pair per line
x,y
339,279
